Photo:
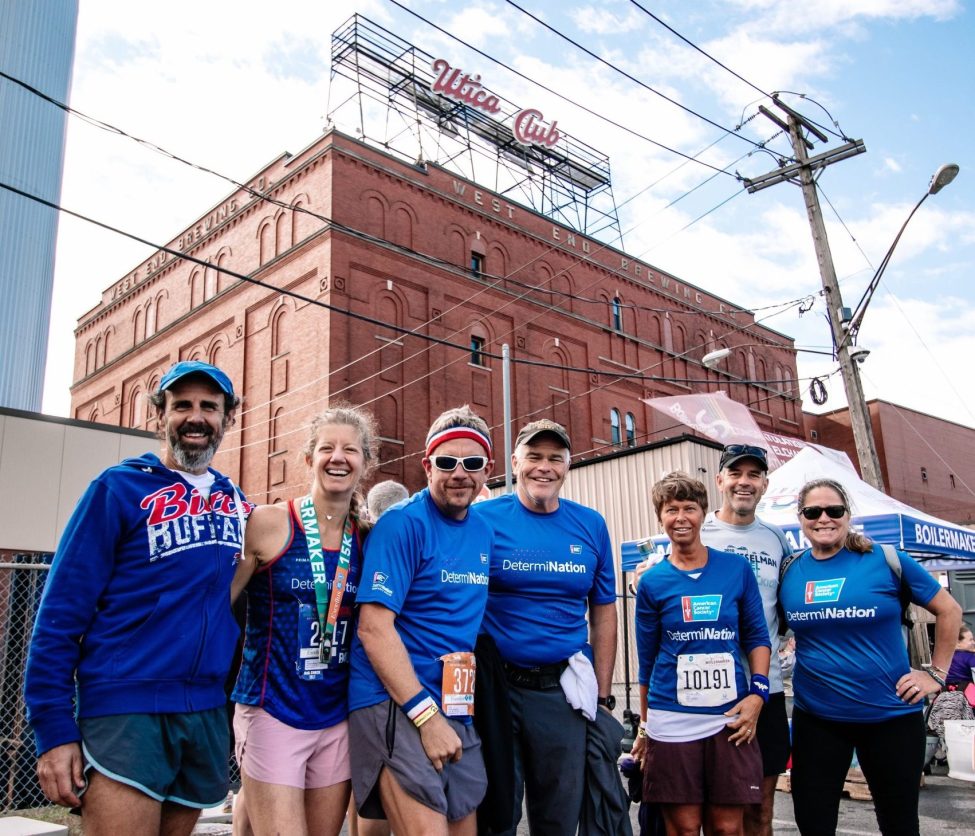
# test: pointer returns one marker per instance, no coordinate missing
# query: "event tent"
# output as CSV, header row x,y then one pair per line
x,y
939,545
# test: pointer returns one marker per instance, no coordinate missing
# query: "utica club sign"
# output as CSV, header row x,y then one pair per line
x,y
529,127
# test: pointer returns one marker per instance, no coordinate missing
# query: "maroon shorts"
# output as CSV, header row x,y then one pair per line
x,y
707,771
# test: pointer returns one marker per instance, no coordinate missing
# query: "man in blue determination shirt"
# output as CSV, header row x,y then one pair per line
x,y
552,566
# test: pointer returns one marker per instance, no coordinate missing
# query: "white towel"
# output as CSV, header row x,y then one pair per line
x,y
578,683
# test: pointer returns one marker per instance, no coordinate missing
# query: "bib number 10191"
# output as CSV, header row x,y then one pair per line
x,y
706,679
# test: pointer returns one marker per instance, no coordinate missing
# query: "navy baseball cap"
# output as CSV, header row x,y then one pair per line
x,y
187,367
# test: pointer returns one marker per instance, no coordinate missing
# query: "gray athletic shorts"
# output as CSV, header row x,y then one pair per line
x,y
382,736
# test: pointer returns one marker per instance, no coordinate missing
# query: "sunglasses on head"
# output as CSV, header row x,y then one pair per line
x,y
447,464
744,450
814,512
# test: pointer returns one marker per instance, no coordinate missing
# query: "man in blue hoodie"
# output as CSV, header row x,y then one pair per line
x,y
134,636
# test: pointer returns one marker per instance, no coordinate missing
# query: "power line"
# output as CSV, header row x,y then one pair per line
x,y
632,78
703,52
561,96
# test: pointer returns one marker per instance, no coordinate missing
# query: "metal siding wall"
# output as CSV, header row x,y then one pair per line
x,y
45,467
37,47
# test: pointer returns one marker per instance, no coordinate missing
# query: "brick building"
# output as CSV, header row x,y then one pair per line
x,y
927,462
407,280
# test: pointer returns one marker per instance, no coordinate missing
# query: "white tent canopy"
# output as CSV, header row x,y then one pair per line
x,y
938,544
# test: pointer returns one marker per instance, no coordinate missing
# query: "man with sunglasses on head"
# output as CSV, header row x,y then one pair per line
x,y
415,755
742,480
552,566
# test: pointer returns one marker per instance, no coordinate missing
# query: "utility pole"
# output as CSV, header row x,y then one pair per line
x,y
838,318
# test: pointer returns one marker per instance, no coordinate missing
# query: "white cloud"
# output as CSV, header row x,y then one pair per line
x,y
793,15
601,20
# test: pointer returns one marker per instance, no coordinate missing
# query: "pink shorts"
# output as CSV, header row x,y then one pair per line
x,y
276,753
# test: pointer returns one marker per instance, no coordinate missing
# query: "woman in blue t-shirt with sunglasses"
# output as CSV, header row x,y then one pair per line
x,y
854,687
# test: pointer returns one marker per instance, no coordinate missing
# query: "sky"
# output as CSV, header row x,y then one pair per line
x,y
231,86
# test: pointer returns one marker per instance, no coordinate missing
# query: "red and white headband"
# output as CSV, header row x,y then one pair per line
x,y
436,439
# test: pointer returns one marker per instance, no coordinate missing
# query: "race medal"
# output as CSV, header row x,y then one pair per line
x,y
307,665
705,680
458,684
328,606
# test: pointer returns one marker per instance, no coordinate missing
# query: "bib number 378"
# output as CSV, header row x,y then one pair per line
x,y
459,670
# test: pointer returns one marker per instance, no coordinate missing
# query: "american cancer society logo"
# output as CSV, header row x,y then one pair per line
x,y
701,607
379,583
824,592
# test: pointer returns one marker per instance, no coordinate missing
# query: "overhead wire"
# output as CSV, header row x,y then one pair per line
x,y
265,196
341,311
261,195
561,96
629,76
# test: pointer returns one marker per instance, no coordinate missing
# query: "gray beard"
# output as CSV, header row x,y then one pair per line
x,y
192,461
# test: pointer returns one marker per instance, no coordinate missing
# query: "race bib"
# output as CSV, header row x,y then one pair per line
x,y
705,680
458,684
309,664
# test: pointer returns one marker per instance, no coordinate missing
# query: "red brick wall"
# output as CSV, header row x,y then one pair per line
x,y
399,252
907,442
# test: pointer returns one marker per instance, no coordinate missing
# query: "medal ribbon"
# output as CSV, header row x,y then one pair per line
x,y
328,605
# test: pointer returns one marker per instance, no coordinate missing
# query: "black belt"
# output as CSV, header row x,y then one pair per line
x,y
541,678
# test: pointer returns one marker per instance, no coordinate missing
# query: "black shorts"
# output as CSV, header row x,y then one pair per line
x,y
182,758
773,736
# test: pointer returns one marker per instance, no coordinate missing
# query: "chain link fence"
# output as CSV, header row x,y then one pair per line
x,y
22,579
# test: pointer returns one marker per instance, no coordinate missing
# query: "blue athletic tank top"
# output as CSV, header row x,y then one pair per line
x,y
280,671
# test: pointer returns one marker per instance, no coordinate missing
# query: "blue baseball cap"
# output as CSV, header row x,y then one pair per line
x,y
186,367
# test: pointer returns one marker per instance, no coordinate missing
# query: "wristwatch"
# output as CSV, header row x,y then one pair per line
x,y
609,702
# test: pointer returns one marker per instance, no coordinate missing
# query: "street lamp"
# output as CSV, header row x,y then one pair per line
x,y
712,358
845,330
942,177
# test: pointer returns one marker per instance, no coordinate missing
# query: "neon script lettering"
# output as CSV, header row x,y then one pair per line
x,y
457,85
529,130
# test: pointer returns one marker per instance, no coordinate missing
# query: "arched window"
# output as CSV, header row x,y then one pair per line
x,y
617,313
280,332
136,410
138,331
630,430
614,427
196,289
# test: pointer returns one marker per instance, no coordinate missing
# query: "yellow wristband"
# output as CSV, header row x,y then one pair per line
x,y
420,719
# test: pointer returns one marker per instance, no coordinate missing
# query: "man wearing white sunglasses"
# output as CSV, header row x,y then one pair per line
x,y
415,755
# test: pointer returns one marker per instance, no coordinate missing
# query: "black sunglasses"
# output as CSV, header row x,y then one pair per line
x,y
447,464
814,512
743,450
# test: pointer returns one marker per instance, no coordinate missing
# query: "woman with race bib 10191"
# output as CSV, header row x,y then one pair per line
x,y
301,571
854,688
697,612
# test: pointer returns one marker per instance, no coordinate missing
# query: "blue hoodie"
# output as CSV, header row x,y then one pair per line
x,y
137,603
